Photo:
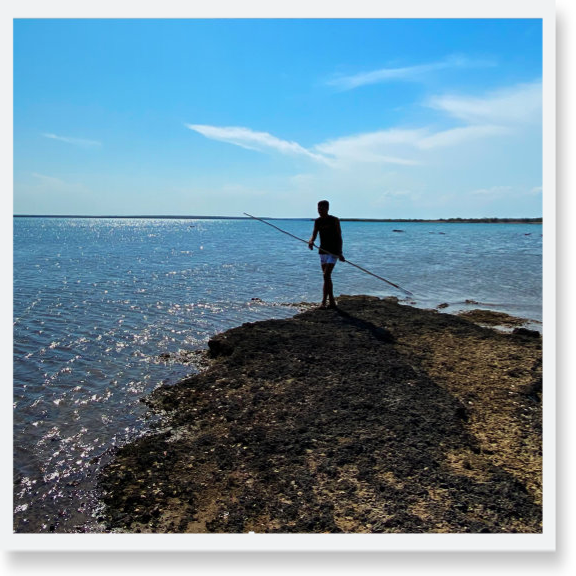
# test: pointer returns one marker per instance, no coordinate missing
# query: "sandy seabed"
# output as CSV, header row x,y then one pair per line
x,y
372,418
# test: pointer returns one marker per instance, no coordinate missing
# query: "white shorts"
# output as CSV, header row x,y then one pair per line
x,y
328,259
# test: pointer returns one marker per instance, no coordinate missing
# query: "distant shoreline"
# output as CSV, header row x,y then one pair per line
x,y
403,220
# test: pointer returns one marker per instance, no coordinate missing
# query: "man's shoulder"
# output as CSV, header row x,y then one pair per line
x,y
329,219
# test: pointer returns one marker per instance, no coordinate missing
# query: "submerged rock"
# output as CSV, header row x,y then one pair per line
x,y
491,318
526,332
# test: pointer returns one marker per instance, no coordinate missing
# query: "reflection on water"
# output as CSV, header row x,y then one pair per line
x,y
98,303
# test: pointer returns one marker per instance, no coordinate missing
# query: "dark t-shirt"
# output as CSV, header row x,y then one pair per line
x,y
330,238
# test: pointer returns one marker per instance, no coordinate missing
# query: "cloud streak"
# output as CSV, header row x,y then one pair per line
x,y
372,147
414,73
53,185
47,179
81,142
362,148
518,104
461,135
495,115
252,140
493,191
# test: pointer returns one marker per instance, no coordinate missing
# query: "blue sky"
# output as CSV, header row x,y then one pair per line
x,y
386,118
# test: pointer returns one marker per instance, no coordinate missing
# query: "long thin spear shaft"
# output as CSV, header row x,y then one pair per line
x,y
335,255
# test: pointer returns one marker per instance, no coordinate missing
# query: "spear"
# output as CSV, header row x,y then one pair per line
x,y
335,255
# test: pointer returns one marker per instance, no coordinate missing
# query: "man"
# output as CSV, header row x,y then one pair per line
x,y
330,248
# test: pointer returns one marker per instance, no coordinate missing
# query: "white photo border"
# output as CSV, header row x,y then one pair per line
x,y
544,542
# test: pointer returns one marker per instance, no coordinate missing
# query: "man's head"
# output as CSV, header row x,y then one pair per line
x,y
323,207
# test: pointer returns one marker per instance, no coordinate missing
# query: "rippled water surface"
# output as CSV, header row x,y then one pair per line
x,y
97,302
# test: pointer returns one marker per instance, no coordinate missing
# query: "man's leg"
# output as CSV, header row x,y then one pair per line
x,y
324,287
327,288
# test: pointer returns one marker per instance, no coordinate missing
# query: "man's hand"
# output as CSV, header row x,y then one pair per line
x,y
311,245
341,258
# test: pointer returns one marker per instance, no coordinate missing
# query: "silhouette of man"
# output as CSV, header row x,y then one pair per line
x,y
330,249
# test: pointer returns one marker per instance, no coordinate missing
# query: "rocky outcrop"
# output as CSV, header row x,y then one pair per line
x,y
374,417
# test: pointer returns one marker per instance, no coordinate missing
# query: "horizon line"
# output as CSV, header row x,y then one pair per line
x,y
196,217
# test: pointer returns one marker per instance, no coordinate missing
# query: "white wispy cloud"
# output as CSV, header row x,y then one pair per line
x,y
373,147
456,136
499,192
47,179
53,185
493,191
384,146
512,105
407,73
494,115
392,147
390,195
82,142
252,140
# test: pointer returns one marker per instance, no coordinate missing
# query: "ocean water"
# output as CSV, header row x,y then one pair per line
x,y
99,302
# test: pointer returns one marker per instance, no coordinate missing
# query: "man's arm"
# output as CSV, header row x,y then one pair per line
x,y
313,237
341,255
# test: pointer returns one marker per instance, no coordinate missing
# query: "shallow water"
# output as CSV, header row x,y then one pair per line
x,y
97,301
